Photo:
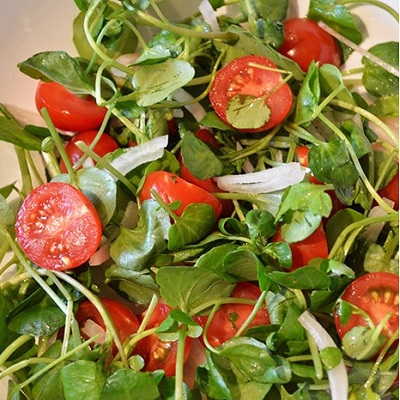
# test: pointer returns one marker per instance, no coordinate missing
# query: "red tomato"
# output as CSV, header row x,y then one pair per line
x,y
68,111
105,145
315,246
230,317
125,321
159,354
172,188
302,156
240,78
391,191
58,227
376,293
207,137
306,41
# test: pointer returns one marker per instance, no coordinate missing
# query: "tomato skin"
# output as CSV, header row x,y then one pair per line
x,y
230,317
125,321
58,227
68,111
171,187
105,145
238,78
158,354
306,41
391,191
376,293
304,251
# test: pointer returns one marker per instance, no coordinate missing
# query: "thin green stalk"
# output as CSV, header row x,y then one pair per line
x,y
180,354
27,185
380,4
13,347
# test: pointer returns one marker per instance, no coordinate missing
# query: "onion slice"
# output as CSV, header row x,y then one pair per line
x,y
195,108
209,15
266,181
338,380
138,155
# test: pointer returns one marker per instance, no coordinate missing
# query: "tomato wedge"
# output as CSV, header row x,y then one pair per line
x,y
252,76
58,227
159,354
68,111
377,294
125,321
314,246
306,41
171,188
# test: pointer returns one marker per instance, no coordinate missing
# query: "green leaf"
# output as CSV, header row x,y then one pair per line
x,y
57,66
155,83
194,224
199,158
247,112
82,379
261,224
185,288
302,278
330,357
126,384
136,249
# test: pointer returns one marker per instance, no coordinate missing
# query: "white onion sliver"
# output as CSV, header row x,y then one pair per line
x,y
196,109
338,380
209,15
138,155
268,180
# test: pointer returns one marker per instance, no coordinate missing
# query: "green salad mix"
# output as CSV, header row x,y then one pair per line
x,y
218,216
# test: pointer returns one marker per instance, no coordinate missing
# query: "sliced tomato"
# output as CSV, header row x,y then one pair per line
x,y
252,76
124,319
172,188
156,353
105,145
377,294
230,317
306,41
58,227
68,111
314,246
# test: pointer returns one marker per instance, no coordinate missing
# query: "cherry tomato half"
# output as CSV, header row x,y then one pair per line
x,y
306,41
68,111
376,293
314,246
105,145
159,354
243,77
171,188
391,191
125,321
230,317
58,227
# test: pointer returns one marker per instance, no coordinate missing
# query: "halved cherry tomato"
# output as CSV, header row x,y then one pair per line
x,y
391,191
302,156
105,145
314,246
230,317
125,321
68,111
158,354
58,227
171,188
243,77
306,41
376,293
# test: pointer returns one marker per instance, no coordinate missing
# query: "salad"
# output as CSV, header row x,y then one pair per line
x,y
218,212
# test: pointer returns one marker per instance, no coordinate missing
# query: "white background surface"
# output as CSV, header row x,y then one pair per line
x,y
31,26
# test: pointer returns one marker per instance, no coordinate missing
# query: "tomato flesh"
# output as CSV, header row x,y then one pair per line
x,y
230,317
243,77
125,321
156,353
376,293
58,227
171,188
105,145
68,111
314,246
305,41
391,191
